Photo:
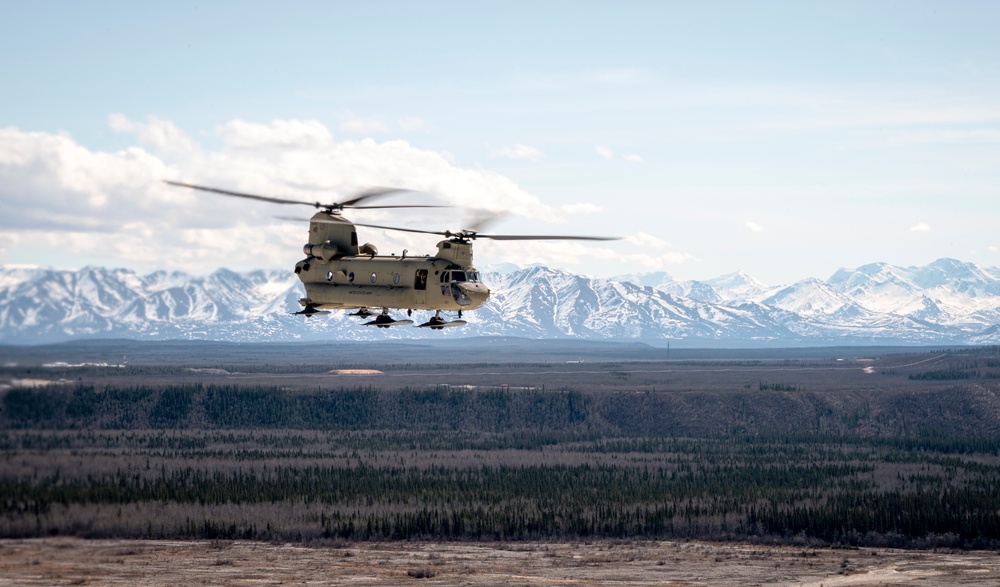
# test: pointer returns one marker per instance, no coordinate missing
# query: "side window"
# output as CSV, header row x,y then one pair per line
x,y
420,281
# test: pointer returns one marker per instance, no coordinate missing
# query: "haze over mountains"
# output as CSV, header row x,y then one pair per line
x,y
944,302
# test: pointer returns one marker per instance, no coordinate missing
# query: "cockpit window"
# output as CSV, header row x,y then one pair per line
x,y
458,276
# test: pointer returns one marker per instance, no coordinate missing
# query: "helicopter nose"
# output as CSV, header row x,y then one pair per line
x,y
477,292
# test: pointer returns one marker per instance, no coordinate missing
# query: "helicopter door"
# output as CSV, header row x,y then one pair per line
x,y
420,286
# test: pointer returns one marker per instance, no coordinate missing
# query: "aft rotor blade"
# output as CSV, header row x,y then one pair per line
x,y
400,206
543,237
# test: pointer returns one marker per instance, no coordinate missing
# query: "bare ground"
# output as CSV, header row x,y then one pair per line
x,y
72,561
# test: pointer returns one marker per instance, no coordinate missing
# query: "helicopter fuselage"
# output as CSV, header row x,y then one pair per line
x,y
372,281
339,274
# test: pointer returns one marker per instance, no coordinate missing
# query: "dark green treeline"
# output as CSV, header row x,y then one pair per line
x,y
359,463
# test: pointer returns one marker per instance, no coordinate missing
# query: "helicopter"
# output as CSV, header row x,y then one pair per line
x,y
340,274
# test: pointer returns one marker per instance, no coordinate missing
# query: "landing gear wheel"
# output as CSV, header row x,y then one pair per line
x,y
384,320
439,323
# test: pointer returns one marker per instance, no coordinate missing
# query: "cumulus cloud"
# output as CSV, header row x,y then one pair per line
x,y
633,158
8,240
920,227
114,208
992,249
753,226
647,241
162,135
301,134
604,152
519,151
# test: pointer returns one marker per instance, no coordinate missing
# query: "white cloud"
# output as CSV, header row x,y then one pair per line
x,y
992,249
633,158
647,241
519,151
163,135
753,226
604,152
581,208
920,227
8,240
114,209
364,126
302,134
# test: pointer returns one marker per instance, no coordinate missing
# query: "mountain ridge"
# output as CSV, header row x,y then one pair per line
x,y
945,302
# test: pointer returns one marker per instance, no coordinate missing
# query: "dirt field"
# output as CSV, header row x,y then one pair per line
x,y
70,561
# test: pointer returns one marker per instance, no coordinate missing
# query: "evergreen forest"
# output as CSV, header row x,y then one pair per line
x,y
764,461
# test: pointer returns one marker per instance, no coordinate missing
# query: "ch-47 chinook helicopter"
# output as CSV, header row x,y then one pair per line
x,y
339,274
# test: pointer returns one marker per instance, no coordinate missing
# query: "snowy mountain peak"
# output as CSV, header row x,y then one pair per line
x,y
656,279
953,273
739,279
946,301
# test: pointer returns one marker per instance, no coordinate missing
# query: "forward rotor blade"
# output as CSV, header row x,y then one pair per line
x,y
368,194
330,220
438,232
484,218
240,194
470,234
371,193
337,220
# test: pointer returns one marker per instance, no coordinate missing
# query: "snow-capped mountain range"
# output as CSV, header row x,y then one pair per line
x,y
944,302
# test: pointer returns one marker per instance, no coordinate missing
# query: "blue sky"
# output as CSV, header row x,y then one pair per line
x,y
785,139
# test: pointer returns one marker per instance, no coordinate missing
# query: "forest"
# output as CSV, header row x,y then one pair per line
x,y
768,455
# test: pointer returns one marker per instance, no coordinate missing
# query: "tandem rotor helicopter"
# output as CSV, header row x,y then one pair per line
x,y
340,274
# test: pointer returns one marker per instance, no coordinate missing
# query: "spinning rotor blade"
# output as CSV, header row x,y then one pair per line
x,y
332,221
238,194
473,235
542,237
483,218
376,192
368,194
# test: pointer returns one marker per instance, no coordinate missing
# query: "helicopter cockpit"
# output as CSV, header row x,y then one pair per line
x,y
463,285
459,275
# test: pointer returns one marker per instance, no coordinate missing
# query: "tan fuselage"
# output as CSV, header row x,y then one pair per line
x,y
413,283
338,273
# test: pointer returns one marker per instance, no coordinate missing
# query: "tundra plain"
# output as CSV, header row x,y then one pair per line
x,y
498,462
